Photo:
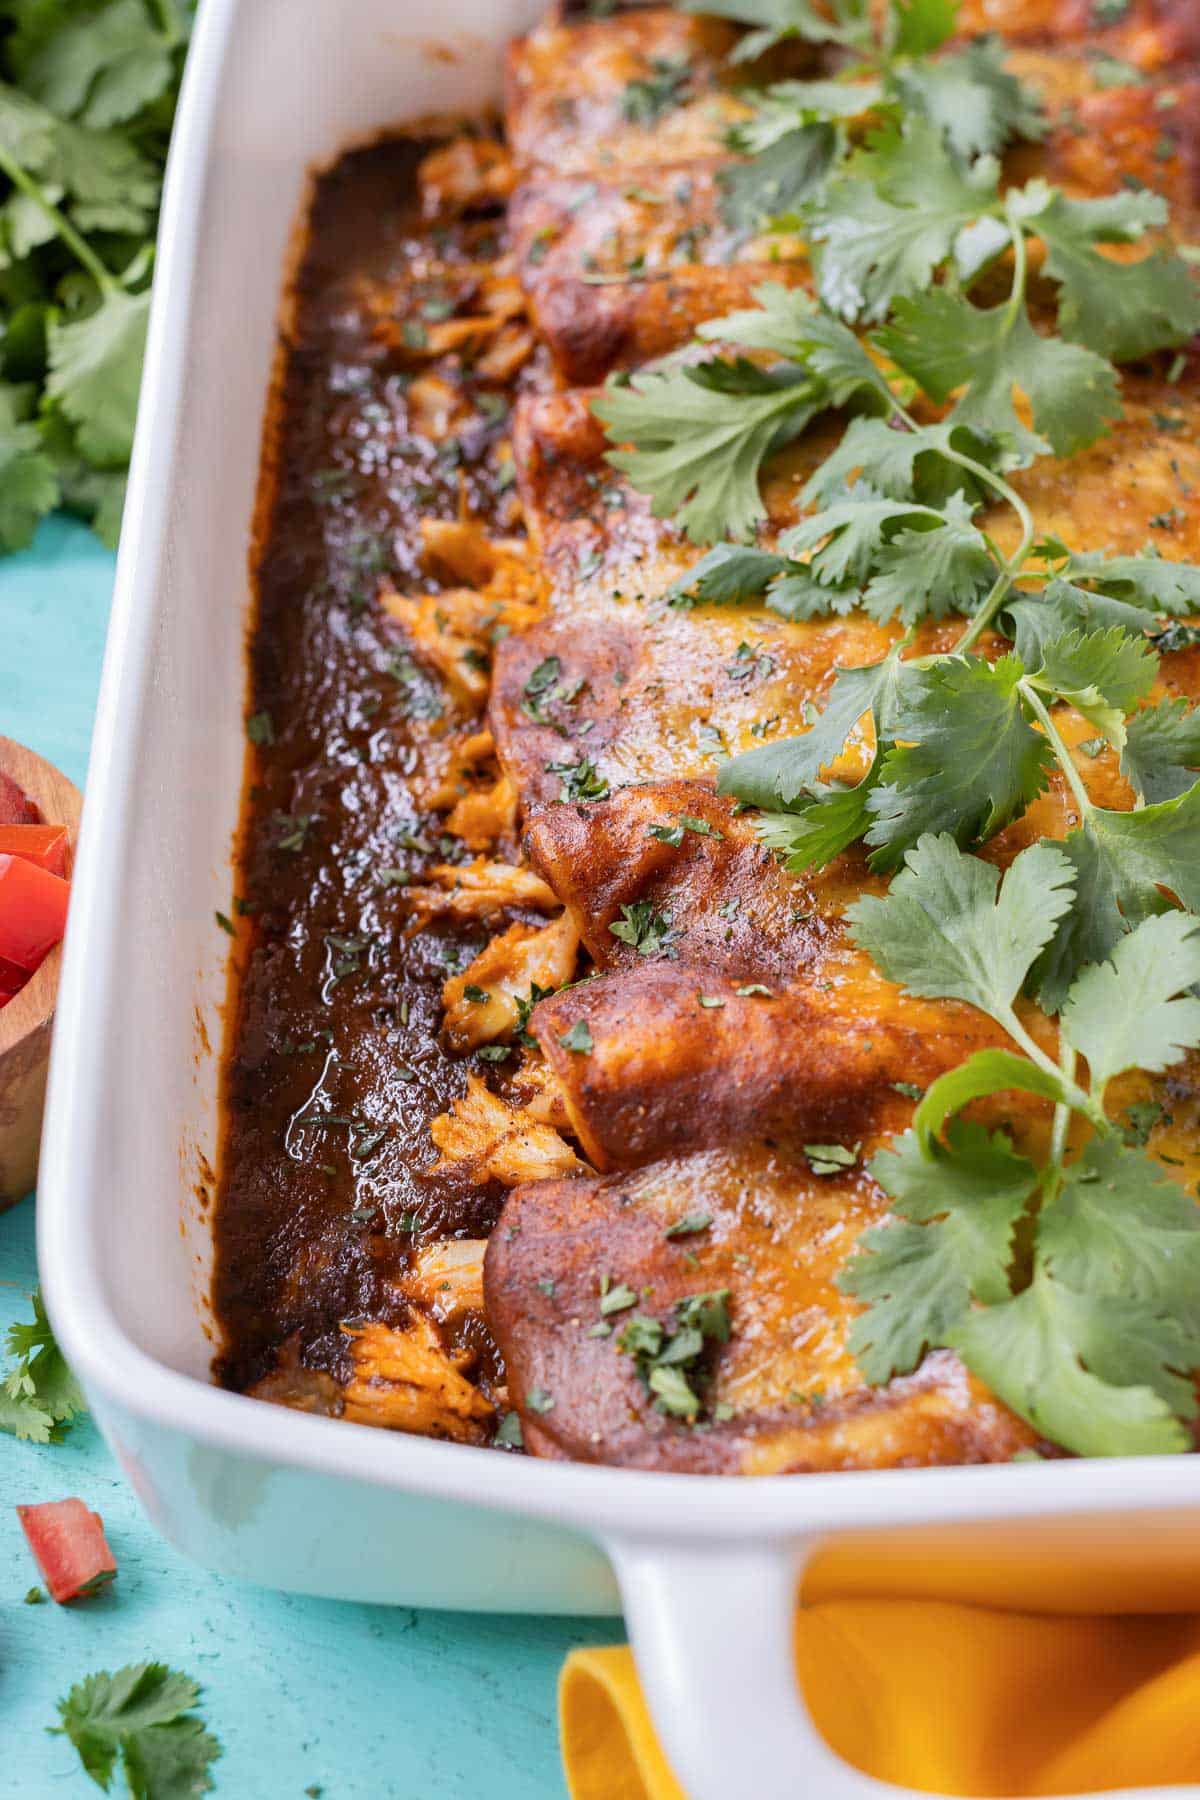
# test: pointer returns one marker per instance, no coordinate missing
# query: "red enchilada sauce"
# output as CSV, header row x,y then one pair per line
x,y
334,1067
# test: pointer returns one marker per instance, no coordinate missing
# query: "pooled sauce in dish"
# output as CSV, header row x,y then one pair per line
x,y
335,1066
565,1105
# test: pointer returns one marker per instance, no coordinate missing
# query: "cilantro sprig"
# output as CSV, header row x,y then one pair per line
x,y
1069,1285
39,1396
142,1718
87,94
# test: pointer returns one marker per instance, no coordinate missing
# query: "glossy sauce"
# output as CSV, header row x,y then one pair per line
x,y
333,1066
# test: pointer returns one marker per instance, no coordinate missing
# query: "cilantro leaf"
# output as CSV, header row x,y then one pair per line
x,y
787,106
946,344
39,1394
986,1072
113,187
868,534
142,1715
1037,620
1063,1359
1119,1225
922,25
1123,310
101,65
96,371
882,226
973,100
1125,1013
949,929
700,435
812,835
780,773
97,495
1161,758
779,179
578,1038
1100,673
901,464
101,177
958,1207
27,130
786,322
1153,582
970,760
930,569
28,484
728,573
1122,861
845,22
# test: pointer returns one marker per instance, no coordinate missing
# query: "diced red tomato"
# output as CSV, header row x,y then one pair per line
x,y
33,911
45,845
15,807
68,1545
12,980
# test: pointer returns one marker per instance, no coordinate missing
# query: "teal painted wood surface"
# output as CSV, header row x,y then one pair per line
x,y
306,1695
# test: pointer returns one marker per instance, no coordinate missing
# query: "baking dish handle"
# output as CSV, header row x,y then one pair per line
x,y
711,1630
711,1627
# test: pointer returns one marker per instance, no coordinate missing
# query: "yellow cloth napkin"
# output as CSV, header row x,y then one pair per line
x,y
939,1695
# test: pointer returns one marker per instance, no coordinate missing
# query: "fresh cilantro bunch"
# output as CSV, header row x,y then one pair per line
x,y
669,1356
142,1718
87,94
1069,1286
39,1396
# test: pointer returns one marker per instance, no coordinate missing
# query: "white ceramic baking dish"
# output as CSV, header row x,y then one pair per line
x,y
704,1568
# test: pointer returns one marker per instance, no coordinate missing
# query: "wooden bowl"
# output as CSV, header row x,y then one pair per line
x,y
25,1023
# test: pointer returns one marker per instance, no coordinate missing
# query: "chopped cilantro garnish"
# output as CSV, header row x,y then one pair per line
x,y
525,1006
689,1225
659,91
668,1356
831,1159
578,1039
617,1299
540,689
684,822
1140,1120
647,931
581,780
508,1432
